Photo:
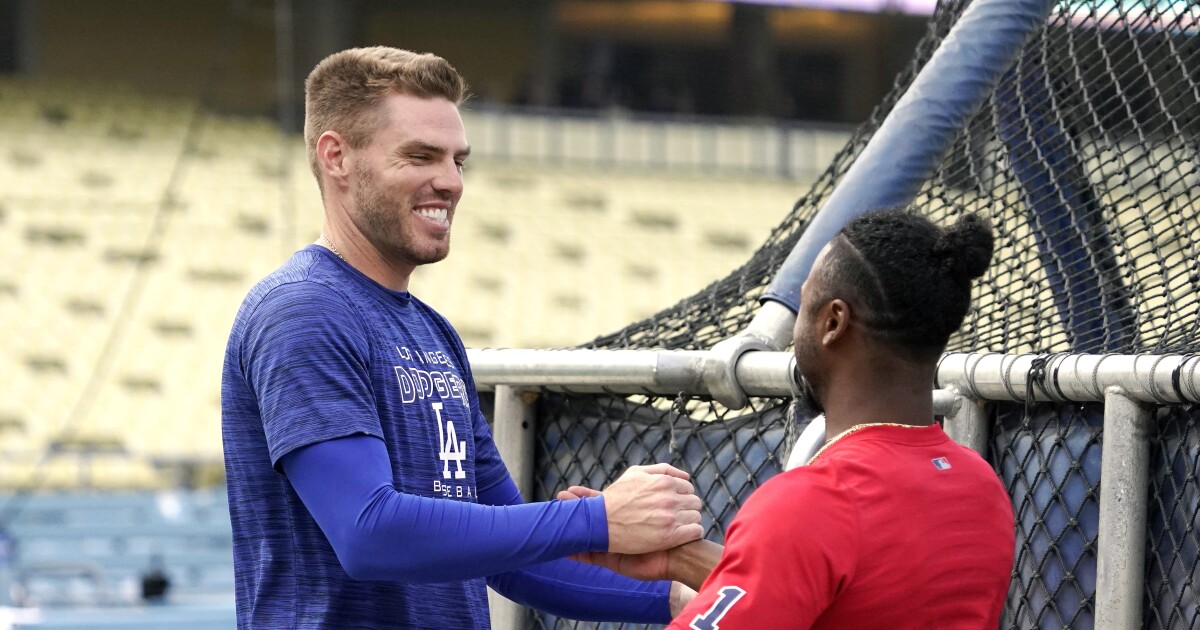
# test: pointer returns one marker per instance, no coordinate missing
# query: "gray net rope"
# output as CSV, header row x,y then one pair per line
x,y
1086,160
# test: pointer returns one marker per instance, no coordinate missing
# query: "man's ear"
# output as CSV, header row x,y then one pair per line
x,y
332,159
834,321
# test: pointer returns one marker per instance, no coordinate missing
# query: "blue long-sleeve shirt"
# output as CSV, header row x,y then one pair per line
x,y
363,398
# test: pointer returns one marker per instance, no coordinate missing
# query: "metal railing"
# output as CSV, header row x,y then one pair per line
x,y
1130,386
664,143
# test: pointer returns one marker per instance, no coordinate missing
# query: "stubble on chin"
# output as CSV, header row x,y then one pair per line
x,y
806,404
395,230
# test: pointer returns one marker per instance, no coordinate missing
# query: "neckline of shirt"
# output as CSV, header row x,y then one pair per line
x,y
403,297
907,433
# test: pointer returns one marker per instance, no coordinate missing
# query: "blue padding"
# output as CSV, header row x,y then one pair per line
x,y
1050,464
1073,243
909,144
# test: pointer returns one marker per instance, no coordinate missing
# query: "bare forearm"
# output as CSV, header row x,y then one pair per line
x,y
691,563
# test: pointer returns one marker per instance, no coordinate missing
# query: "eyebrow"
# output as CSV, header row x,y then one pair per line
x,y
417,145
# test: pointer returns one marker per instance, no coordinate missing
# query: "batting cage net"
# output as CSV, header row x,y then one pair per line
x,y
1085,158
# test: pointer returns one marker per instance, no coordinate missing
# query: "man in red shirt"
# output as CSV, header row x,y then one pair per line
x,y
891,524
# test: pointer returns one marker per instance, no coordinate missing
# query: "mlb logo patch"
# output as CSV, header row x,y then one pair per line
x,y
941,463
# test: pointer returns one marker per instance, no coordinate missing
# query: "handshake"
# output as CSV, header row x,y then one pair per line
x,y
654,530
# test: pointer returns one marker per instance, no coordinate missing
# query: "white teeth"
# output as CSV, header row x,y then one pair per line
x,y
434,214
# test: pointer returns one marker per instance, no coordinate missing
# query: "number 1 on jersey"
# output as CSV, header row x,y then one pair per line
x,y
726,598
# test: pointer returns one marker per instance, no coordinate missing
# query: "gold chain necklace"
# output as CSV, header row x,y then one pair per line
x,y
856,428
329,244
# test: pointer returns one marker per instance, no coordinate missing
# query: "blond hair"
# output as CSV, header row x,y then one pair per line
x,y
342,93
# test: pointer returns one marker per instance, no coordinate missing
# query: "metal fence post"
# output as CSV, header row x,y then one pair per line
x,y
513,431
1121,544
969,423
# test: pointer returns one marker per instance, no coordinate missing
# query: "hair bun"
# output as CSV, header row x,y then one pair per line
x,y
966,247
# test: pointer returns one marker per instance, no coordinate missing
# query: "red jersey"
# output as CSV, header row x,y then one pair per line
x,y
890,527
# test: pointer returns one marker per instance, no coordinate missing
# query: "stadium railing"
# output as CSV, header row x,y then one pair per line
x,y
664,143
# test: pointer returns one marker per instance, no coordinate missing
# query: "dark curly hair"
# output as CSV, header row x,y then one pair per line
x,y
908,279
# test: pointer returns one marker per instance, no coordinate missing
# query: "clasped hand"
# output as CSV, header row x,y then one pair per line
x,y
649,509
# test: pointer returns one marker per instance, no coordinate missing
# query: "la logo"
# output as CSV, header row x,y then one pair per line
x,y
449,448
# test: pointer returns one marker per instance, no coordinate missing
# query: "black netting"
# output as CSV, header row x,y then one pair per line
x,y
1049,459
1173,542
588,440
1086,160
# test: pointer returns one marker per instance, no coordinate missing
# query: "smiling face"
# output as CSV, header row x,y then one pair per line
x,y
407,180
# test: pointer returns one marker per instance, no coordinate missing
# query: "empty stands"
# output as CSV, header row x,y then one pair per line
x,y
133,226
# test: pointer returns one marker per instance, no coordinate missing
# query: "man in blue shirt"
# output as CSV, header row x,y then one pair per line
x,y
364,487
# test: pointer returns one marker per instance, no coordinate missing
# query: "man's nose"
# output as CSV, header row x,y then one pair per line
x,y
449,179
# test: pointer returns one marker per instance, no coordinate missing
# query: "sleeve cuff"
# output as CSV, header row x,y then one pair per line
x,y
597,523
